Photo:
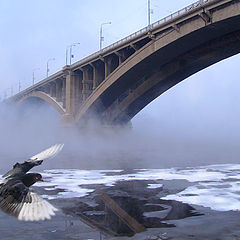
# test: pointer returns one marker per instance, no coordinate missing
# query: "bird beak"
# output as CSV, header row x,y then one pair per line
x,y
41,180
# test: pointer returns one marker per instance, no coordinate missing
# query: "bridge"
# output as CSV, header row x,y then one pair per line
x,y
117,82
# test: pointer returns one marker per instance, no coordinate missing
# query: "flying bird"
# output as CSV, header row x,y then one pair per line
x,y
17,199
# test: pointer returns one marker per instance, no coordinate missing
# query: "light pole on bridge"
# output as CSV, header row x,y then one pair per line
x,y
101,36
19,86
150,11
70,53
33,76
50,59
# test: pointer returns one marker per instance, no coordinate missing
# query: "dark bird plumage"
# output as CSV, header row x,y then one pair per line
x,y
17,199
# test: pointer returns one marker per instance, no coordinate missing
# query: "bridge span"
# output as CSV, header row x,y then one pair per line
x,y
117,82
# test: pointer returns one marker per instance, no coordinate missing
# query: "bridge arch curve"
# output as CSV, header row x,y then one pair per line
x,y
45,97
165,61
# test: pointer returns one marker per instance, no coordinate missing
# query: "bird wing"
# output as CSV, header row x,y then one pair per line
x,y
22,168
17,200
18,169
47,154
38,209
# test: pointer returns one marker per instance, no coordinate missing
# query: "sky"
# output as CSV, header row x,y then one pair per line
x,y
32,32
200,114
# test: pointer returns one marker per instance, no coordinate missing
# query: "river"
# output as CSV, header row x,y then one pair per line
x,y
174,203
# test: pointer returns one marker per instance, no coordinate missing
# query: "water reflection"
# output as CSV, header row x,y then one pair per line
x,y
127,208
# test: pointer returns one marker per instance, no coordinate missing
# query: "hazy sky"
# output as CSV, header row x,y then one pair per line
x,y
203,107
34,31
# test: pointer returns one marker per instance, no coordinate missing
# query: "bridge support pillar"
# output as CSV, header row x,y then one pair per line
x,y
121,57
67,120
78,78
69,95
87,82
107,62
58,91
111,63
53,90
98,73
64,92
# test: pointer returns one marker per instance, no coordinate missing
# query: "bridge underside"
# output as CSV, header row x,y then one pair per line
x,y
44,97
163,69
174,72
115,84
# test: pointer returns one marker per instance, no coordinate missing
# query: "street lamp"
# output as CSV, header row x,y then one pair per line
x,y
19,86
101,36
71,56
70,46
33,76
150,11
50,59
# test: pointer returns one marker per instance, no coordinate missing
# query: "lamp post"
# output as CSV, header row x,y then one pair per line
x,y
70,54
50,59
72,45
150,11
19,86
67,54
33,76
101,36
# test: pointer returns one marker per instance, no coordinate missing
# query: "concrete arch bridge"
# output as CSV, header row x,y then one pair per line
x,y
114,84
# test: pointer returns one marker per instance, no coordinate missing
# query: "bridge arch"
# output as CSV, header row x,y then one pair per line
x,y
165,61
45,97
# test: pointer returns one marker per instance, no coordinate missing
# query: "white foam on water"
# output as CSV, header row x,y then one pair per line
x,y
214,186
191,174
221,193
155,185
216,199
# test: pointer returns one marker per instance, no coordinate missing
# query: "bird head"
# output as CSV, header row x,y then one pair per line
x,y
31,178
38,177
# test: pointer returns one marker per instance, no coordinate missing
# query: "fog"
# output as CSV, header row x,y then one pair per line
x,y
28,129
178,129
195,123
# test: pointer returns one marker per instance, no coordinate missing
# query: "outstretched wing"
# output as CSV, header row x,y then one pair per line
x,y
19,169
37,209
47,154
22,168
18,201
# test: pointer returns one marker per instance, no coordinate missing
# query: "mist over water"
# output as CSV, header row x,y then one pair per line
x,y
30,128
25,130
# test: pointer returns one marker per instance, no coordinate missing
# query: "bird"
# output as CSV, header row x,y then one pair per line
x,y
16,197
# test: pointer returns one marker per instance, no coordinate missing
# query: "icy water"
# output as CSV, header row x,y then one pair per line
x,y
213,186
175,203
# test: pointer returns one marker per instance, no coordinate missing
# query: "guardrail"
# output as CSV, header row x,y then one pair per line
x,y
146,29
138,33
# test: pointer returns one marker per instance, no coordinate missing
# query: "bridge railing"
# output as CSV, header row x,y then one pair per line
x,y
146,29
134,35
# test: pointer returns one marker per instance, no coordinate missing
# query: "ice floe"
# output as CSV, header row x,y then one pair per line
x,y
214,186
